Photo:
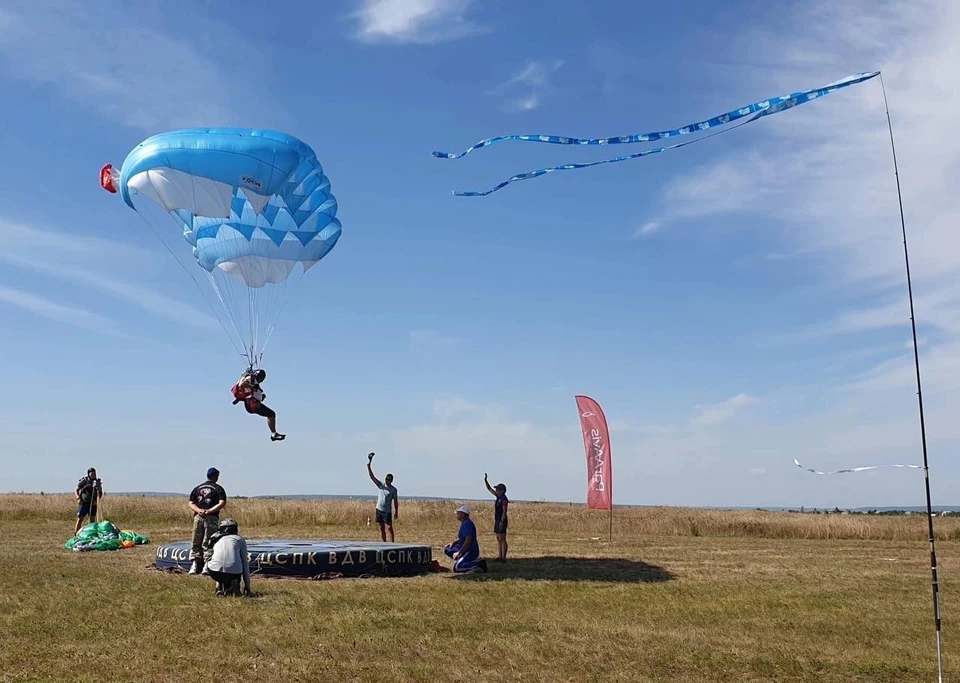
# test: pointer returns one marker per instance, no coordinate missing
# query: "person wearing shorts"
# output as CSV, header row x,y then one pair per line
x,y
500,517
387,495
249,391
89,492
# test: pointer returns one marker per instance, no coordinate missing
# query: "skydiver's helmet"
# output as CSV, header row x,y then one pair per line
x,y
228,526
261,375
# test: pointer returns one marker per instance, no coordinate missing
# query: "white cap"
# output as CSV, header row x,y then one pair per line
x,y
464,509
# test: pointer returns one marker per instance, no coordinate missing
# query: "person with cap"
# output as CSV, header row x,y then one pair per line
x,y
499,516
206,501
386,496
465,551
229,561
89,492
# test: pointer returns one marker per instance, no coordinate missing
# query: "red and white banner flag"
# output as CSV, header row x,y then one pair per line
x,y
596,442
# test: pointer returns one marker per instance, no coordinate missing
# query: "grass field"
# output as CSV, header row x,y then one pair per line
x,y
679,595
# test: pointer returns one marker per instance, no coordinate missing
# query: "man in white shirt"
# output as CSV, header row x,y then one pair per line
x,y
230,561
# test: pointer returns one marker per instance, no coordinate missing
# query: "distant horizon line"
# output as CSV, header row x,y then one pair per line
x,y
542,501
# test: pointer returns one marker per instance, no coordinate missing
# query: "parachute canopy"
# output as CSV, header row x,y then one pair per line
x,y
104,535
252,204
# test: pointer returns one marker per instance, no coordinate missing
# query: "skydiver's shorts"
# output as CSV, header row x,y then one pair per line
x,y
254,407
384,517
84,509
500,526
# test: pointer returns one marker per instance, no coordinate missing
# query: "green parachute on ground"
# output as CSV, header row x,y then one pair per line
x,y
104,535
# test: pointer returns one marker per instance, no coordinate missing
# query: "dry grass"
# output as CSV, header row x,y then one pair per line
x,y
681,595
543,517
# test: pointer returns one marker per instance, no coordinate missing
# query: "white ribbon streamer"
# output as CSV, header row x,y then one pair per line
x,y
853,469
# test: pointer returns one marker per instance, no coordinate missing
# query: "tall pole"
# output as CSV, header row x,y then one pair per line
x,y
923,433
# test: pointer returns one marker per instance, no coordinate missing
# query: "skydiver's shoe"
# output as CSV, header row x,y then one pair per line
x,y
278,437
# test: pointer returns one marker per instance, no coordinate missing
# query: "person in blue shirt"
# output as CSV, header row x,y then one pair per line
x,y
500,518
387,495
465,551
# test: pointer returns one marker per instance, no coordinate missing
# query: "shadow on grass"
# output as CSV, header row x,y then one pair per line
x,y
553,568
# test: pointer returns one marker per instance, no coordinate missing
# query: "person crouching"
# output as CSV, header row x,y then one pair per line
x,y
229,562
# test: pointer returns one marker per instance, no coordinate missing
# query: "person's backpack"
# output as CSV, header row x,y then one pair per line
x,y
240,394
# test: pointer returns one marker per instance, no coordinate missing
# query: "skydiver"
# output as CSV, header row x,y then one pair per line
x,y
248,390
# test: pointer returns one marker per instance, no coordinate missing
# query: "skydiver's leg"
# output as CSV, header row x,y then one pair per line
x,y
255,407
83,510
271,422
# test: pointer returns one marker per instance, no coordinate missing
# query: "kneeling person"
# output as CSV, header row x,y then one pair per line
x,y
230,561
465,551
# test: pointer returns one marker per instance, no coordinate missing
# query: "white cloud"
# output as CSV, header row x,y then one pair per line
x,y
129,71
821,176
713,416
414,21
455,454
824,171
647,228
429,342
526,88
820,179
71,315
78,260
447,407
144,298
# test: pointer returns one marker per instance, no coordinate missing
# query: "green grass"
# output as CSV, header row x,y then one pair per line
x,y
680,595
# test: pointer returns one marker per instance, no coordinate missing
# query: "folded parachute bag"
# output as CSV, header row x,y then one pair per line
x,y
104,535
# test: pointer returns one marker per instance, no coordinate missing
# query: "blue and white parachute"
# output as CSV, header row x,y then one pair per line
x,y
253,205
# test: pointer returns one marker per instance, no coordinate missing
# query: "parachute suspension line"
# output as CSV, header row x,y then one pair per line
x,y
251,297
166,246
283,303
233,305
216,288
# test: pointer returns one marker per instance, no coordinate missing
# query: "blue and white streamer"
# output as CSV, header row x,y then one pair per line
x,y
853,469
757,109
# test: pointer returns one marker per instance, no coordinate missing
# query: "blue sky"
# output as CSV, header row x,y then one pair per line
x,y
733,305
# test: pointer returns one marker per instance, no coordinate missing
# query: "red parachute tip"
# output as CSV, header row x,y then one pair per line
x,y
107,179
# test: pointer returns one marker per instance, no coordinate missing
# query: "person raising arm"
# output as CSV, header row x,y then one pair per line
x,y
386,497
499,516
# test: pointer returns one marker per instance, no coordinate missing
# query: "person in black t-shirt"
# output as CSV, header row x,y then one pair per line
x,y
206,501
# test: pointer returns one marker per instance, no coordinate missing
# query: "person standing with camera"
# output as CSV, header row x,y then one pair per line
x,y
89,492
